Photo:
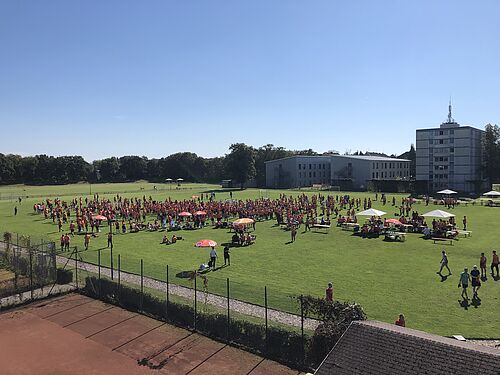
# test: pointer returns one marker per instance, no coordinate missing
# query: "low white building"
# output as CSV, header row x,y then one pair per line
x,y
337,170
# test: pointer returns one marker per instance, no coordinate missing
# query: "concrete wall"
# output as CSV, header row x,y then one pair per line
x,y
298,171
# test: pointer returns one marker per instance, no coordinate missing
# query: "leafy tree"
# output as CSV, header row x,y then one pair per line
x,y
240,163
266,153
491,153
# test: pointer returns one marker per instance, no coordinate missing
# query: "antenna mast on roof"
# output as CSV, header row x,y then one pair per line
x,y
450,119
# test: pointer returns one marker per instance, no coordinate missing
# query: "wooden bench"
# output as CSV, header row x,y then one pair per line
x,y
465,233
438,239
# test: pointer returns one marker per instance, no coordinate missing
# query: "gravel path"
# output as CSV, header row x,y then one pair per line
x,y
212,299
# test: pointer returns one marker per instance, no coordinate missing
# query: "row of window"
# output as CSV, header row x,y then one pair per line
x,y
439,176
390,165
392,174
441,141
444,132
313,166
441,158
440,167
441,150
312,174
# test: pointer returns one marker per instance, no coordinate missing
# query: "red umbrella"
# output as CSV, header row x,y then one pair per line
x,y
99,217
185,213
206,243
200,213
393,221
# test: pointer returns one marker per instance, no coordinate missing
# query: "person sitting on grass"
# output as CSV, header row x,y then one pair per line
x,y
401,321
165,240
174,239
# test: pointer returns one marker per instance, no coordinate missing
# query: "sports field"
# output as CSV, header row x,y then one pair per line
x,y
74,334
386,278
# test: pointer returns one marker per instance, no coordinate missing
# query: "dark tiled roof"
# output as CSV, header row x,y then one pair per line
x,y
372,347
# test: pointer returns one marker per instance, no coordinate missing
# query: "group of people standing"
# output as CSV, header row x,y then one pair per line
x,y
475,276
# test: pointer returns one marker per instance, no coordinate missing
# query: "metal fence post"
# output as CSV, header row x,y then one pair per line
x,y
119,279
99,271
111,262
166,308
195,298
76,266
142,283
31,271
265,309
228,317
302,327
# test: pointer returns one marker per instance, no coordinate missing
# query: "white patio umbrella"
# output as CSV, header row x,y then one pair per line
x,y
371,212
438,213
447,192
180,179
492,194
168,179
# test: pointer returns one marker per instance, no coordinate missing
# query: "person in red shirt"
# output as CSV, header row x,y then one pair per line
x,y
482,265
401,321
329,292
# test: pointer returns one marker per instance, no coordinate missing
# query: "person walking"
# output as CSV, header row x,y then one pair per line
x,y
329,292
482,265
15,210
110,240
494,263
476,281
87,240
464,283
227,257
444,262
401,321
213,257
464,221
293,232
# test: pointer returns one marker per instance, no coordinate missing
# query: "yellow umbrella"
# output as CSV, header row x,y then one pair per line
x,y
244,221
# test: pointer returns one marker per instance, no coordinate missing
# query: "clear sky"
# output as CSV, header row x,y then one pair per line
x,y
112,78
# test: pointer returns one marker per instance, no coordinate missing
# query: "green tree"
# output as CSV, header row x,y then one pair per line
x,y
266,153
240,163
491,153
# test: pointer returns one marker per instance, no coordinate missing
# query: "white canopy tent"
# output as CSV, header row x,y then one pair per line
x,y
492,194
371,212
439,214
447,192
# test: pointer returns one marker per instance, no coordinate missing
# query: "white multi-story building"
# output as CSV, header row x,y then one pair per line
x,y
449,157
358,170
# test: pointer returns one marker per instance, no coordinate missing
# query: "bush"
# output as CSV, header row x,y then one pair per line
x,y
64,276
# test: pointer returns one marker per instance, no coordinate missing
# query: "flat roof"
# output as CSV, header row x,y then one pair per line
x,y
370,157
453,128
300,156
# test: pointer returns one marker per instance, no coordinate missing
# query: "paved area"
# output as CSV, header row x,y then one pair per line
x,y
79,335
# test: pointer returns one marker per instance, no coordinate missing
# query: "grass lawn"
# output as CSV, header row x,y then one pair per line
x,y
386,278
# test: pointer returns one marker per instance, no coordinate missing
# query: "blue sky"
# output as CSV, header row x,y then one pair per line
x,y
112,78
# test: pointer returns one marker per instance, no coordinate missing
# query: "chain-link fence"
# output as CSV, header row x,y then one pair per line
x,y
25,266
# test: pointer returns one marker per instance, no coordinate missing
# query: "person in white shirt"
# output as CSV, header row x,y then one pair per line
x,y
213,257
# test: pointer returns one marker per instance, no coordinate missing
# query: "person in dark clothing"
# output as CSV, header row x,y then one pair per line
x,y
227,257
110,240
15,210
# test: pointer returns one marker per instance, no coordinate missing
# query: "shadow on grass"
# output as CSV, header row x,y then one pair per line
x,y
464,303
443,277
476,302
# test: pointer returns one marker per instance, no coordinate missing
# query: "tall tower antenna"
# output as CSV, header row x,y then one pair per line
x,y
450,119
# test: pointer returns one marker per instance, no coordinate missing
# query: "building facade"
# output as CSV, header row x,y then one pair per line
x,y
346,171
449,157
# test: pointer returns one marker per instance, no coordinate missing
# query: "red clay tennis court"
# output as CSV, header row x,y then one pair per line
x,y
79,335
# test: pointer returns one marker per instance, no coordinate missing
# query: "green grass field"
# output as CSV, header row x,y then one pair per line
x,y
386,278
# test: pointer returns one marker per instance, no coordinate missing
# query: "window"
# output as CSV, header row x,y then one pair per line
x,y
310,174
373,166
452,131
452,149
376,174
373,174
300,166
440,132
430,141
377,165
314,174
452,140
440,141
385,168
310,167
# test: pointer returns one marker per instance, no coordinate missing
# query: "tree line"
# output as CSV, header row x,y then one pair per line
x,y
242,163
